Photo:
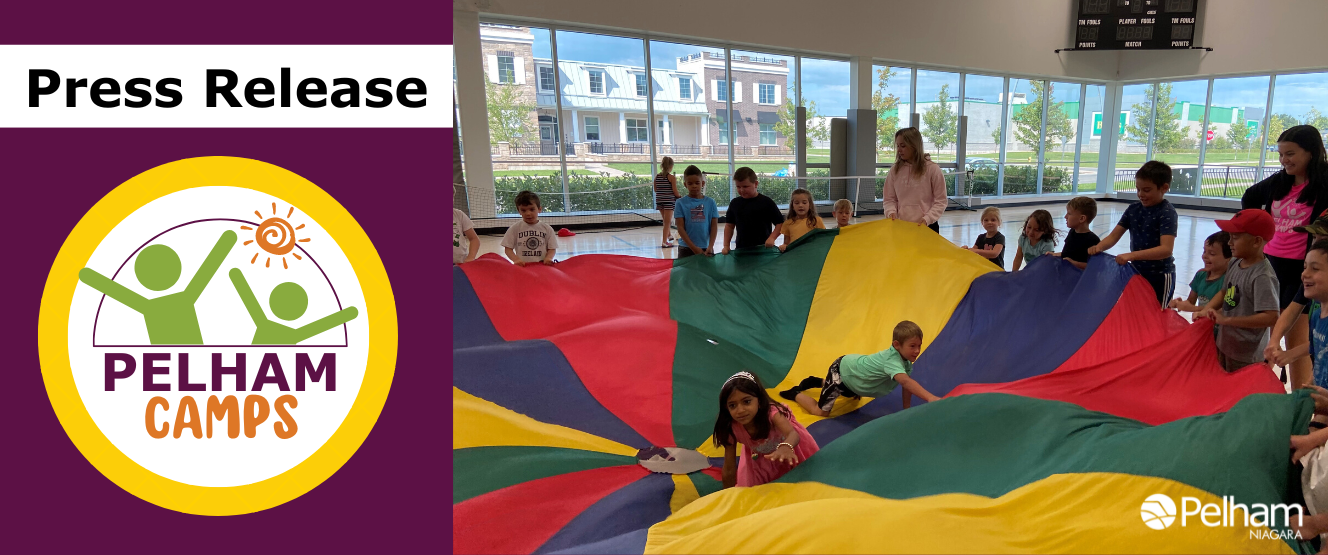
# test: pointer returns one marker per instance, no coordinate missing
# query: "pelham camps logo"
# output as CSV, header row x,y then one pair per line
x,y
1264,521
217,336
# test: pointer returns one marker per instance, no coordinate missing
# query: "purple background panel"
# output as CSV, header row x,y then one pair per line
x,y
390,496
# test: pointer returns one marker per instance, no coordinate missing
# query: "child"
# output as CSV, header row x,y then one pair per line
x,y
463,251
843,212
802,217
1315,280
1295,310
1038,238
1207,283
1079,212
698,216
1248,306
772,439
752,214
872,375
666,194
529,240
1152,226
990,245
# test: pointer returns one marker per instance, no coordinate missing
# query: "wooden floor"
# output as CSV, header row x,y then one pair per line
x,y
960,227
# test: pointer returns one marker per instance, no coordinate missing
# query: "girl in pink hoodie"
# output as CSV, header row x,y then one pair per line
x,y
914,188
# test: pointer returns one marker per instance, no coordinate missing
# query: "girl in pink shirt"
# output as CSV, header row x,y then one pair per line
x,y
914,189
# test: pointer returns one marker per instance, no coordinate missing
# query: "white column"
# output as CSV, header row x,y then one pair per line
x,y
622,127
576,129
704,130
860,83
473,112
667,135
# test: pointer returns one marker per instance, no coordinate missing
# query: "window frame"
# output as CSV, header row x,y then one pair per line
x,y
642,128
507,77
641,83
590,81
539,77
760,94
762,131
586,129
688,88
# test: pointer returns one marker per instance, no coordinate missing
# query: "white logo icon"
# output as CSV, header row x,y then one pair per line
x,y
1158,511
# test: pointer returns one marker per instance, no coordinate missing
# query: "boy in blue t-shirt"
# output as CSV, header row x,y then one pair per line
x,y
1152,226
698,216
874,375
1315,279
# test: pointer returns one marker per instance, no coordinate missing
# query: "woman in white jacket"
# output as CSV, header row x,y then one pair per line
x,y
914,188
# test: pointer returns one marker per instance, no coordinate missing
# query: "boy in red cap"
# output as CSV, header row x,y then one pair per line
x,y
1248,304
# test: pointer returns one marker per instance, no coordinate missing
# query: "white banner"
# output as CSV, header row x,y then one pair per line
x,y
288,86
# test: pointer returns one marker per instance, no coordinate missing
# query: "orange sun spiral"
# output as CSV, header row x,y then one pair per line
x,y
275,236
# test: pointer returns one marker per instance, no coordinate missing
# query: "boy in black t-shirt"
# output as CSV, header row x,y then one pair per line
x,y
1079,212
751,213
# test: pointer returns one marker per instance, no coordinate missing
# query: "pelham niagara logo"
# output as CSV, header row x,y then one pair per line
x,y
217,336
1276,521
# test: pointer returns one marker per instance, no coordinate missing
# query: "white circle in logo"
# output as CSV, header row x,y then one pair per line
x,y
1158,511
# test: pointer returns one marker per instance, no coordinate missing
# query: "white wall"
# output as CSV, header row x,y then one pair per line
x,y
1010,36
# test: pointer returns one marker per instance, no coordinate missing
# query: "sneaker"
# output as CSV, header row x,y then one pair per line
x,y
812,381
791,394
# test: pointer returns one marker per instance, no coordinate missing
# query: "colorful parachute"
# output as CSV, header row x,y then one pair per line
x,y
1071,399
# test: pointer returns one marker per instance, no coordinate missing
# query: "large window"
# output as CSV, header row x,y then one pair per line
x,y
892,93
1090,137
1298,99
687,123
1132,147
1059,134
938,104
766,93
767,134
1023,136
685,88
982,145
824,88
1235,114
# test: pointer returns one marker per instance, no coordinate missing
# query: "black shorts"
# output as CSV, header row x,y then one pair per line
x,y
1164,284
833,387
1288,272
935,226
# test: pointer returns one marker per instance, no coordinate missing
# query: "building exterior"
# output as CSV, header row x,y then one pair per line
x,y
604,109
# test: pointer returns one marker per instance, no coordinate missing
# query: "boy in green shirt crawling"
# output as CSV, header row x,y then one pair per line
x,y
874,375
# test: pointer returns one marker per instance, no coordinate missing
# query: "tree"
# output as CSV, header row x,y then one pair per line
x,y
1238,135
509,114
1277,124
788,120
1167,131
940,124
1028,120
996,135
886,125
1317,119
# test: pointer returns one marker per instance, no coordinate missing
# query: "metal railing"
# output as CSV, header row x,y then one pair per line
x,y
774,151
619,148
542,149
1217,181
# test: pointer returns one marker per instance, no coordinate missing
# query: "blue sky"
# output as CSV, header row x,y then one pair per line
x,y
827,81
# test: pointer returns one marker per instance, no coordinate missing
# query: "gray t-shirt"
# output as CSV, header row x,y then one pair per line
x,y
1246,292
530,241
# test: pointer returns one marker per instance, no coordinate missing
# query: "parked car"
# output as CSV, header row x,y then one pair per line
x,y
979,163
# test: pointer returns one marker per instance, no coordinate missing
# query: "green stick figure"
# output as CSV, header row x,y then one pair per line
x,y
171,319
288,302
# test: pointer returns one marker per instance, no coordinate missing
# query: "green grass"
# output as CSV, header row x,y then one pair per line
x,y
537,173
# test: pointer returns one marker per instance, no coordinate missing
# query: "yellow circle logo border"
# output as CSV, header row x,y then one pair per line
x,y
53,331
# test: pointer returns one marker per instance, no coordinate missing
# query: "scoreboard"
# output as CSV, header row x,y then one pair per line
x,y
1135,24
